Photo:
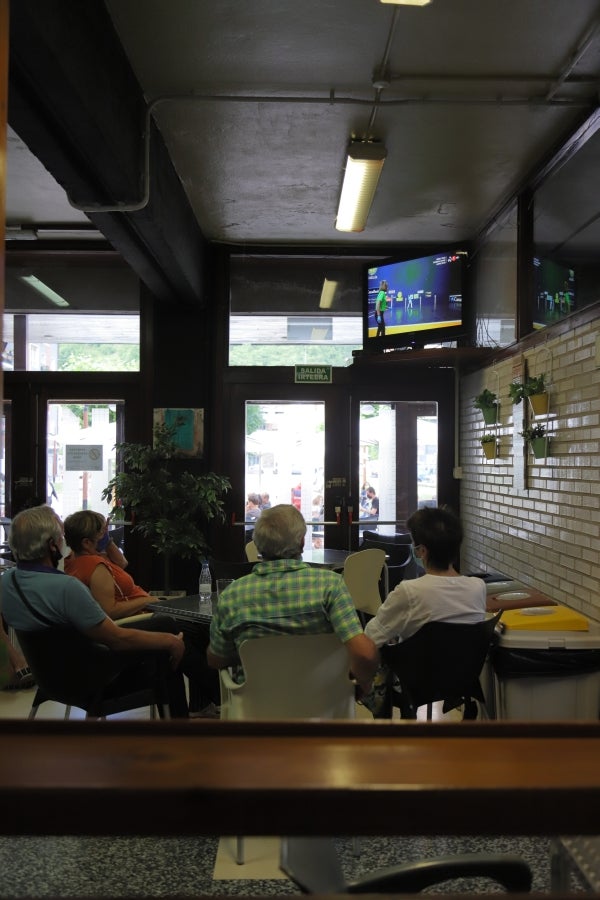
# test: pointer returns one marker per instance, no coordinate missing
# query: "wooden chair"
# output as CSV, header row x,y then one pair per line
x,y
442,661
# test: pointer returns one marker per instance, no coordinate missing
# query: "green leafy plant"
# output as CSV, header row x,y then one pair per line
x,y
533,431
533,385
488,438
169,507
485,400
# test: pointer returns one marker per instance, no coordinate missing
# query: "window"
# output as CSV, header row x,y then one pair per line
x,y
287,311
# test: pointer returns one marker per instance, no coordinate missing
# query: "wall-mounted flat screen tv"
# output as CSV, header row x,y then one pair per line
x,y
554,292
415,302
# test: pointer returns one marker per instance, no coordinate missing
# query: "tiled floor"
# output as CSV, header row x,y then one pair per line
x,y
188,867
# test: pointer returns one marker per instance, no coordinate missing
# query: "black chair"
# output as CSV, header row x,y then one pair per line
x,y
220,568
442,661
313,865
71,669
400,562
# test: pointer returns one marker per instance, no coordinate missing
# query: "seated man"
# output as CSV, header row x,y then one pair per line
x,y
55,599
284,595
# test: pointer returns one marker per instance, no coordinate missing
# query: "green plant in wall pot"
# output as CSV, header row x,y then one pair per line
x,y
168,505
487,402
534,388
489,445
536,437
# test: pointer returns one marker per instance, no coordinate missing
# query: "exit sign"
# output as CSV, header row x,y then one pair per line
x,y
313,374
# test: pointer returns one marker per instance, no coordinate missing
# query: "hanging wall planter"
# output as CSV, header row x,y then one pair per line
x,y
534,388
539,447
539,403
537,439
487,402
489,445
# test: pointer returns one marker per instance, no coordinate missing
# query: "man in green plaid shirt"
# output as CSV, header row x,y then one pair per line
x,y
284,595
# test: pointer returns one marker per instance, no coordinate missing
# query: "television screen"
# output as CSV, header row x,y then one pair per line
x,y
554,292
414,302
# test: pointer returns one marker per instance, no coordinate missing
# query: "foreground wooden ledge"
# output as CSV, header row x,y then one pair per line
x,y
203,777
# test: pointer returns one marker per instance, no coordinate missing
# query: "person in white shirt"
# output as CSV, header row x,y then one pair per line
x,y
441,595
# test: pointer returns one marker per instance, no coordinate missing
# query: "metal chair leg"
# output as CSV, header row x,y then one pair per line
x,y
239,850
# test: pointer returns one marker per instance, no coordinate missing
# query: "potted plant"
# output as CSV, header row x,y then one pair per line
x,y
169,507
489,444
487,402
536,437
534,388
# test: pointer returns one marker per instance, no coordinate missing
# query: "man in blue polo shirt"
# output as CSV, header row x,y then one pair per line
x,y
36,595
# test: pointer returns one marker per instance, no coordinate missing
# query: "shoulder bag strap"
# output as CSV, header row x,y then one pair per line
x,y
37,615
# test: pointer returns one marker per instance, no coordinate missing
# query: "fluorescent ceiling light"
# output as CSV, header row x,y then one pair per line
x,y
363,168
328,293
47,292
407,2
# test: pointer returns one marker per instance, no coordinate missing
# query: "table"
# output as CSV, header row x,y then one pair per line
x,y
327,559
370,778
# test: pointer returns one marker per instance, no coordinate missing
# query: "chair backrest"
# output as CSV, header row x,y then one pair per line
x,y
362,572
299,676
442,661
252,552
399,559
220,568
68,667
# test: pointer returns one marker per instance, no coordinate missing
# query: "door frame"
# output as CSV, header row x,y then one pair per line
x,y
403,382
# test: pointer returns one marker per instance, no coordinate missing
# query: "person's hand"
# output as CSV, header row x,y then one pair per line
x,y
103,542
177,650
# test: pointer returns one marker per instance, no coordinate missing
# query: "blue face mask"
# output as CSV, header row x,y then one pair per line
x,y
416,558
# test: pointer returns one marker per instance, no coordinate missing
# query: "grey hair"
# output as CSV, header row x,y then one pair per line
x,y
279,532
31,530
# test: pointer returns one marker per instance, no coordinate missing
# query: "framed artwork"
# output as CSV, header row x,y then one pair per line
x,y
189,424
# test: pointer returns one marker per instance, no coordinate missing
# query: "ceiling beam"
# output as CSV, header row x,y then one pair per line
x,y
75,102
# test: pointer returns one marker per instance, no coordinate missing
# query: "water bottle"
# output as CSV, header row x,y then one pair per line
x,y
205,583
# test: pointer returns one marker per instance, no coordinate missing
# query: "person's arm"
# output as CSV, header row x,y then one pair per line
x,y
116,555
102,586
107,547
364,660
129,639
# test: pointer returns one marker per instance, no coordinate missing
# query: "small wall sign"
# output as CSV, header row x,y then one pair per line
x,y
313,374
83,457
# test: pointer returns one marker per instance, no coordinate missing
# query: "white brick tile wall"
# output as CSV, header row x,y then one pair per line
x,y
546,533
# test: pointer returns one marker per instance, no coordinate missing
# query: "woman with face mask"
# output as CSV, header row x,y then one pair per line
x,y
92,562
100,567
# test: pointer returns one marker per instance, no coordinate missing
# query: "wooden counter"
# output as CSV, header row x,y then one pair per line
x,y
203,777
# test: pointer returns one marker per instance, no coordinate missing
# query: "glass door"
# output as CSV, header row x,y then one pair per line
x,y
324,452
285,453
398,462
80,454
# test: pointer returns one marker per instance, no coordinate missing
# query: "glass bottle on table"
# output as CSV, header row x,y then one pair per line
x,y
205,583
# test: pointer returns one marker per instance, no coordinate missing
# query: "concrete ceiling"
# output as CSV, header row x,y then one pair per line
x,y
256,102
